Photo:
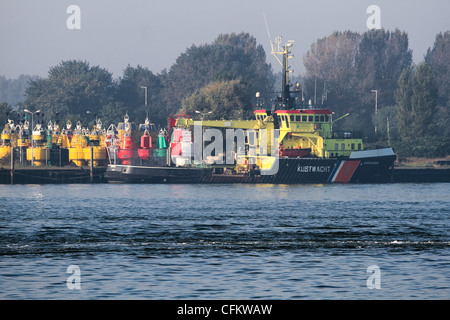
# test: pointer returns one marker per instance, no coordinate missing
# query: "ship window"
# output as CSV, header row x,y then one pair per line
x,y
327,118
343,146
310,118
291,117
353,146
304,118
322,118
317,118
297,118
287,122
336,146
359,146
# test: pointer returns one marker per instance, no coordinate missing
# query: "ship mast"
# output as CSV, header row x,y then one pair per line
x,y
278,49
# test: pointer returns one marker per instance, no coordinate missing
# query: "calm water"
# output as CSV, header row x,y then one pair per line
x,y
225,241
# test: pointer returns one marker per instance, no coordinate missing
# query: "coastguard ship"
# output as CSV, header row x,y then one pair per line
x,y
284,144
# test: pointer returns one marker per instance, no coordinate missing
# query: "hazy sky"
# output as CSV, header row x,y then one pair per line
x,y
153,33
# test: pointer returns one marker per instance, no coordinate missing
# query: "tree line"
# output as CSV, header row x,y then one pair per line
x,y
76,90
390,99
370,76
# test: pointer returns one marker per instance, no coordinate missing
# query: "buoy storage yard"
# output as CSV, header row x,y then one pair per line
x,y
306,151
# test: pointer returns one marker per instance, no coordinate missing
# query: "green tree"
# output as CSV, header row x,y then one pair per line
x,y
72,88
438,59
330,65
12,91
245,60
403,97
386,121
416,98
423,100
347,66
218,100
131,93
112,113
5,111
330,78
230,57
382,57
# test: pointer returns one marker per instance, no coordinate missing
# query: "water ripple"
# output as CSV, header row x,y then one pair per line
x,y
225,241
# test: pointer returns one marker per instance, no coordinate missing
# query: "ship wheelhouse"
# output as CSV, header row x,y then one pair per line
x,y
305,120
308,132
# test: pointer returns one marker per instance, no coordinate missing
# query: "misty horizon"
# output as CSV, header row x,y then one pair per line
x,y
35,35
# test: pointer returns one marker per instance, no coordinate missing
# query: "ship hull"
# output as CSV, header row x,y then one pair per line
x,y
362,167
374,169
146,174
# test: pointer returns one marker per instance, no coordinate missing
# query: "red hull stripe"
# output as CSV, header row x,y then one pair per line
x,y
345,171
